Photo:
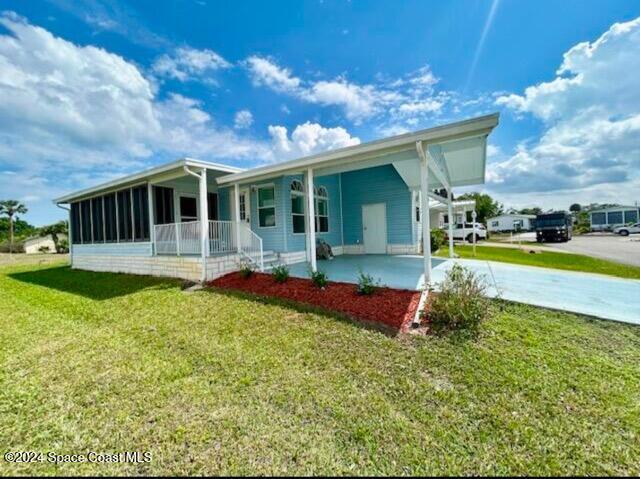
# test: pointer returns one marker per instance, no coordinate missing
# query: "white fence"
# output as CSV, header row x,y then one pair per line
x,y
184,239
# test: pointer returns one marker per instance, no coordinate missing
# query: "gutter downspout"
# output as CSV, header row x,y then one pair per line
x,y
204,221
69,240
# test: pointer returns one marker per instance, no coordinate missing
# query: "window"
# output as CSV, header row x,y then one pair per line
x,y
297,206
266,206
124,216
96,220
495,224
163,205
140,213
85,212
322,210
599,218
631,216
212,210
110,219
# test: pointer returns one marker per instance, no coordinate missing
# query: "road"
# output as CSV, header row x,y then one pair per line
x,y
604,245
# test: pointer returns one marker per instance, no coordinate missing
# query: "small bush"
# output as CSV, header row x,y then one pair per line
x,y
437,239
366,284
63,246
319,278
44,249
280,273
461,303
246,269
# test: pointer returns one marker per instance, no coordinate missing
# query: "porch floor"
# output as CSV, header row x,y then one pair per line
x,y
591,294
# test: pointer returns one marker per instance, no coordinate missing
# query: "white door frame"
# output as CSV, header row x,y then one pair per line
x,y
247,205
378,248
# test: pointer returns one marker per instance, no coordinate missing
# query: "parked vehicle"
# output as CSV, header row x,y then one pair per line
x,y
627,230
466,231
556,226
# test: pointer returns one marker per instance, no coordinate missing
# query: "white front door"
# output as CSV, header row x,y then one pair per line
x,y
374,228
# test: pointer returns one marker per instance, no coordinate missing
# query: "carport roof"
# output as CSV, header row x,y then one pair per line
x,y
457,149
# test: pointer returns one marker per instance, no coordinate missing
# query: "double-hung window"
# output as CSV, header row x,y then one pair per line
x,y
322,210
297,206
266,206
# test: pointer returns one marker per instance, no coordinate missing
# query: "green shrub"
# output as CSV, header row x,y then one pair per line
x,y
366,284
461,303
319,278
280,273
63,246
437,239
246,269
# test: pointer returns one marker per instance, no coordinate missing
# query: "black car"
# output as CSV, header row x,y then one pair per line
x,y
554,227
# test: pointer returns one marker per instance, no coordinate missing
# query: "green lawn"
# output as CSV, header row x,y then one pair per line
x,y
219,384
546,259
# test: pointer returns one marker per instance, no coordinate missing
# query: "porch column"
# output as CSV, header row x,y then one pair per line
x,y
204,215
426,216
311,213
236,202
450,214
152,229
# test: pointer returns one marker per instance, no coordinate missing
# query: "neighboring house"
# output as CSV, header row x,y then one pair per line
x,y
35,244
361,199
606,219
511,222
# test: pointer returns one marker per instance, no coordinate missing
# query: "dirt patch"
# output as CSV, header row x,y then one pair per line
x,y
394,308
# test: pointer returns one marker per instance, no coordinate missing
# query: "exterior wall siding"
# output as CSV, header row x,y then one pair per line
x,y
113,249
381,184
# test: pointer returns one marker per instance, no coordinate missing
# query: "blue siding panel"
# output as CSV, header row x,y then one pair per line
x,y
381,184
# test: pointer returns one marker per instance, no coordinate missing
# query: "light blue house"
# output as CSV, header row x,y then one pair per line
x,y
367,199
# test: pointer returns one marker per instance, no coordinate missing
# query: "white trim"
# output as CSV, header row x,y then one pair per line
x,y
341,211
311,218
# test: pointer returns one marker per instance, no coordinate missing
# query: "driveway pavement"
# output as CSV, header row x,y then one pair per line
x,y
604,245
586,293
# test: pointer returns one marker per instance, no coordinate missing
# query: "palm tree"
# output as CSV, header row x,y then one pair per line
x,y
56,229
10,208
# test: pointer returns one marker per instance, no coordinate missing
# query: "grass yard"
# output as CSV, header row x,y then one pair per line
x,y
212,383
570,262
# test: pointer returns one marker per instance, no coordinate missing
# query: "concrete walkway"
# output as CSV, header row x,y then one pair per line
x,y
591,294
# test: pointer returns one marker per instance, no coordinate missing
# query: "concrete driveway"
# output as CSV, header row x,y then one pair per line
x,y
592,294
604,245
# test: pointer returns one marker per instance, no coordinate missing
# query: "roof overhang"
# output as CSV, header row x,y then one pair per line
x,y
152,175
457,149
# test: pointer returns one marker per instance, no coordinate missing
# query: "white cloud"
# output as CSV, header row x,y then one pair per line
x,y
412,95
243,119
591,117
188,64
307,139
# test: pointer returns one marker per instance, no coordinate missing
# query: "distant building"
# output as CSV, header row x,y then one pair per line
x,y
511,222
34,245
605,219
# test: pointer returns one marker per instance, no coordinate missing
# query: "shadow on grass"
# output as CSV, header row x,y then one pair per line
x,y
306,308
92,285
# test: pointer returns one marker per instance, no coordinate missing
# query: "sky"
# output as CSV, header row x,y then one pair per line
x,y
94,89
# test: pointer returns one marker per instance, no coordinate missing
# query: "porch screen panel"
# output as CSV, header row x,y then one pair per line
x,y
75,223
599,218
212,201
140,213
96,216
631,216
124,216
163,205
110,218
614,217
85,212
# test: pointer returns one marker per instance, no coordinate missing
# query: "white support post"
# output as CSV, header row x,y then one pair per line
x,y
236,200
450,215
473,230
204,215
311,232
426,216
152,228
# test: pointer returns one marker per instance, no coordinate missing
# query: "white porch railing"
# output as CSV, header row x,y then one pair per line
x,y
184,239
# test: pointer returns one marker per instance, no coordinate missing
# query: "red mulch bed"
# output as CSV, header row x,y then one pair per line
x,y
390,307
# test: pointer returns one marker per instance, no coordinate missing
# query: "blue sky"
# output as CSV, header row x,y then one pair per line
x,y
94,89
